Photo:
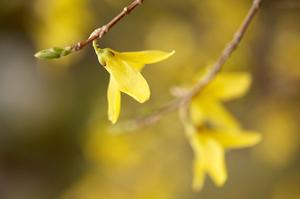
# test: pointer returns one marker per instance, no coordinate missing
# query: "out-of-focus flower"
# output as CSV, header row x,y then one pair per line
x,y
113,152
125,75
213,129
60,23
281,141
207,107
209,147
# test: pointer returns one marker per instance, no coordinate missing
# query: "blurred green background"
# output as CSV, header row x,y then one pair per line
x,y
55,139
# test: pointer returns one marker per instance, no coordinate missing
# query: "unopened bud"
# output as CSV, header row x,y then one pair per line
x,y
53,53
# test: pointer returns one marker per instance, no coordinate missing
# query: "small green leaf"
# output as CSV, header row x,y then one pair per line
x,y
53,53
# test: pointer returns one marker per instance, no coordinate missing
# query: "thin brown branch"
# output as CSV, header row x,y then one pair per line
x,y
155,116
227,52
184,101
100,32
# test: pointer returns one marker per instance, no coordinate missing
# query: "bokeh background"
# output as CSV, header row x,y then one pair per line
x,y
56,141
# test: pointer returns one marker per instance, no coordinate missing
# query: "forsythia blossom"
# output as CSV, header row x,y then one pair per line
x,y
209,147
125,76
215,130
207,107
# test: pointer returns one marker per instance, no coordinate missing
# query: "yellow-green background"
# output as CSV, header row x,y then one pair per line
x,y
56,142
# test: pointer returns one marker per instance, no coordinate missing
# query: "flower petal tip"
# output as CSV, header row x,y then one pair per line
x,y
221,182
253,139
142,96
113,120
143,100
170,54
257,138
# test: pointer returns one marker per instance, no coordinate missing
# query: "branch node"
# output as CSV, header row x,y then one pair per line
x,y
102,31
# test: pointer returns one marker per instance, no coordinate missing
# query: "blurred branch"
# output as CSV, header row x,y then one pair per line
x,y
152,118
100,32
182,102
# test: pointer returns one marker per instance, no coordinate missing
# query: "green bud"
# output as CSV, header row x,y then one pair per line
x,y
103,54
53,53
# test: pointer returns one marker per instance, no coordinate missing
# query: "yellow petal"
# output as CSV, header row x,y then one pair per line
x,y
136,65
129,80
209,158
199,173
212,112
197,113
227,86
236,139
114,100
215,160
145,57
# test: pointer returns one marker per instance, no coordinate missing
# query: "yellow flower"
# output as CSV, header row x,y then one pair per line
x,y
209,147
207,107
213,129
124,69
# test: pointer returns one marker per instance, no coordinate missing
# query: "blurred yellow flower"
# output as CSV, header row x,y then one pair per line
x,y
215,130
60,23
207,108
280,146
209,147
125,76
